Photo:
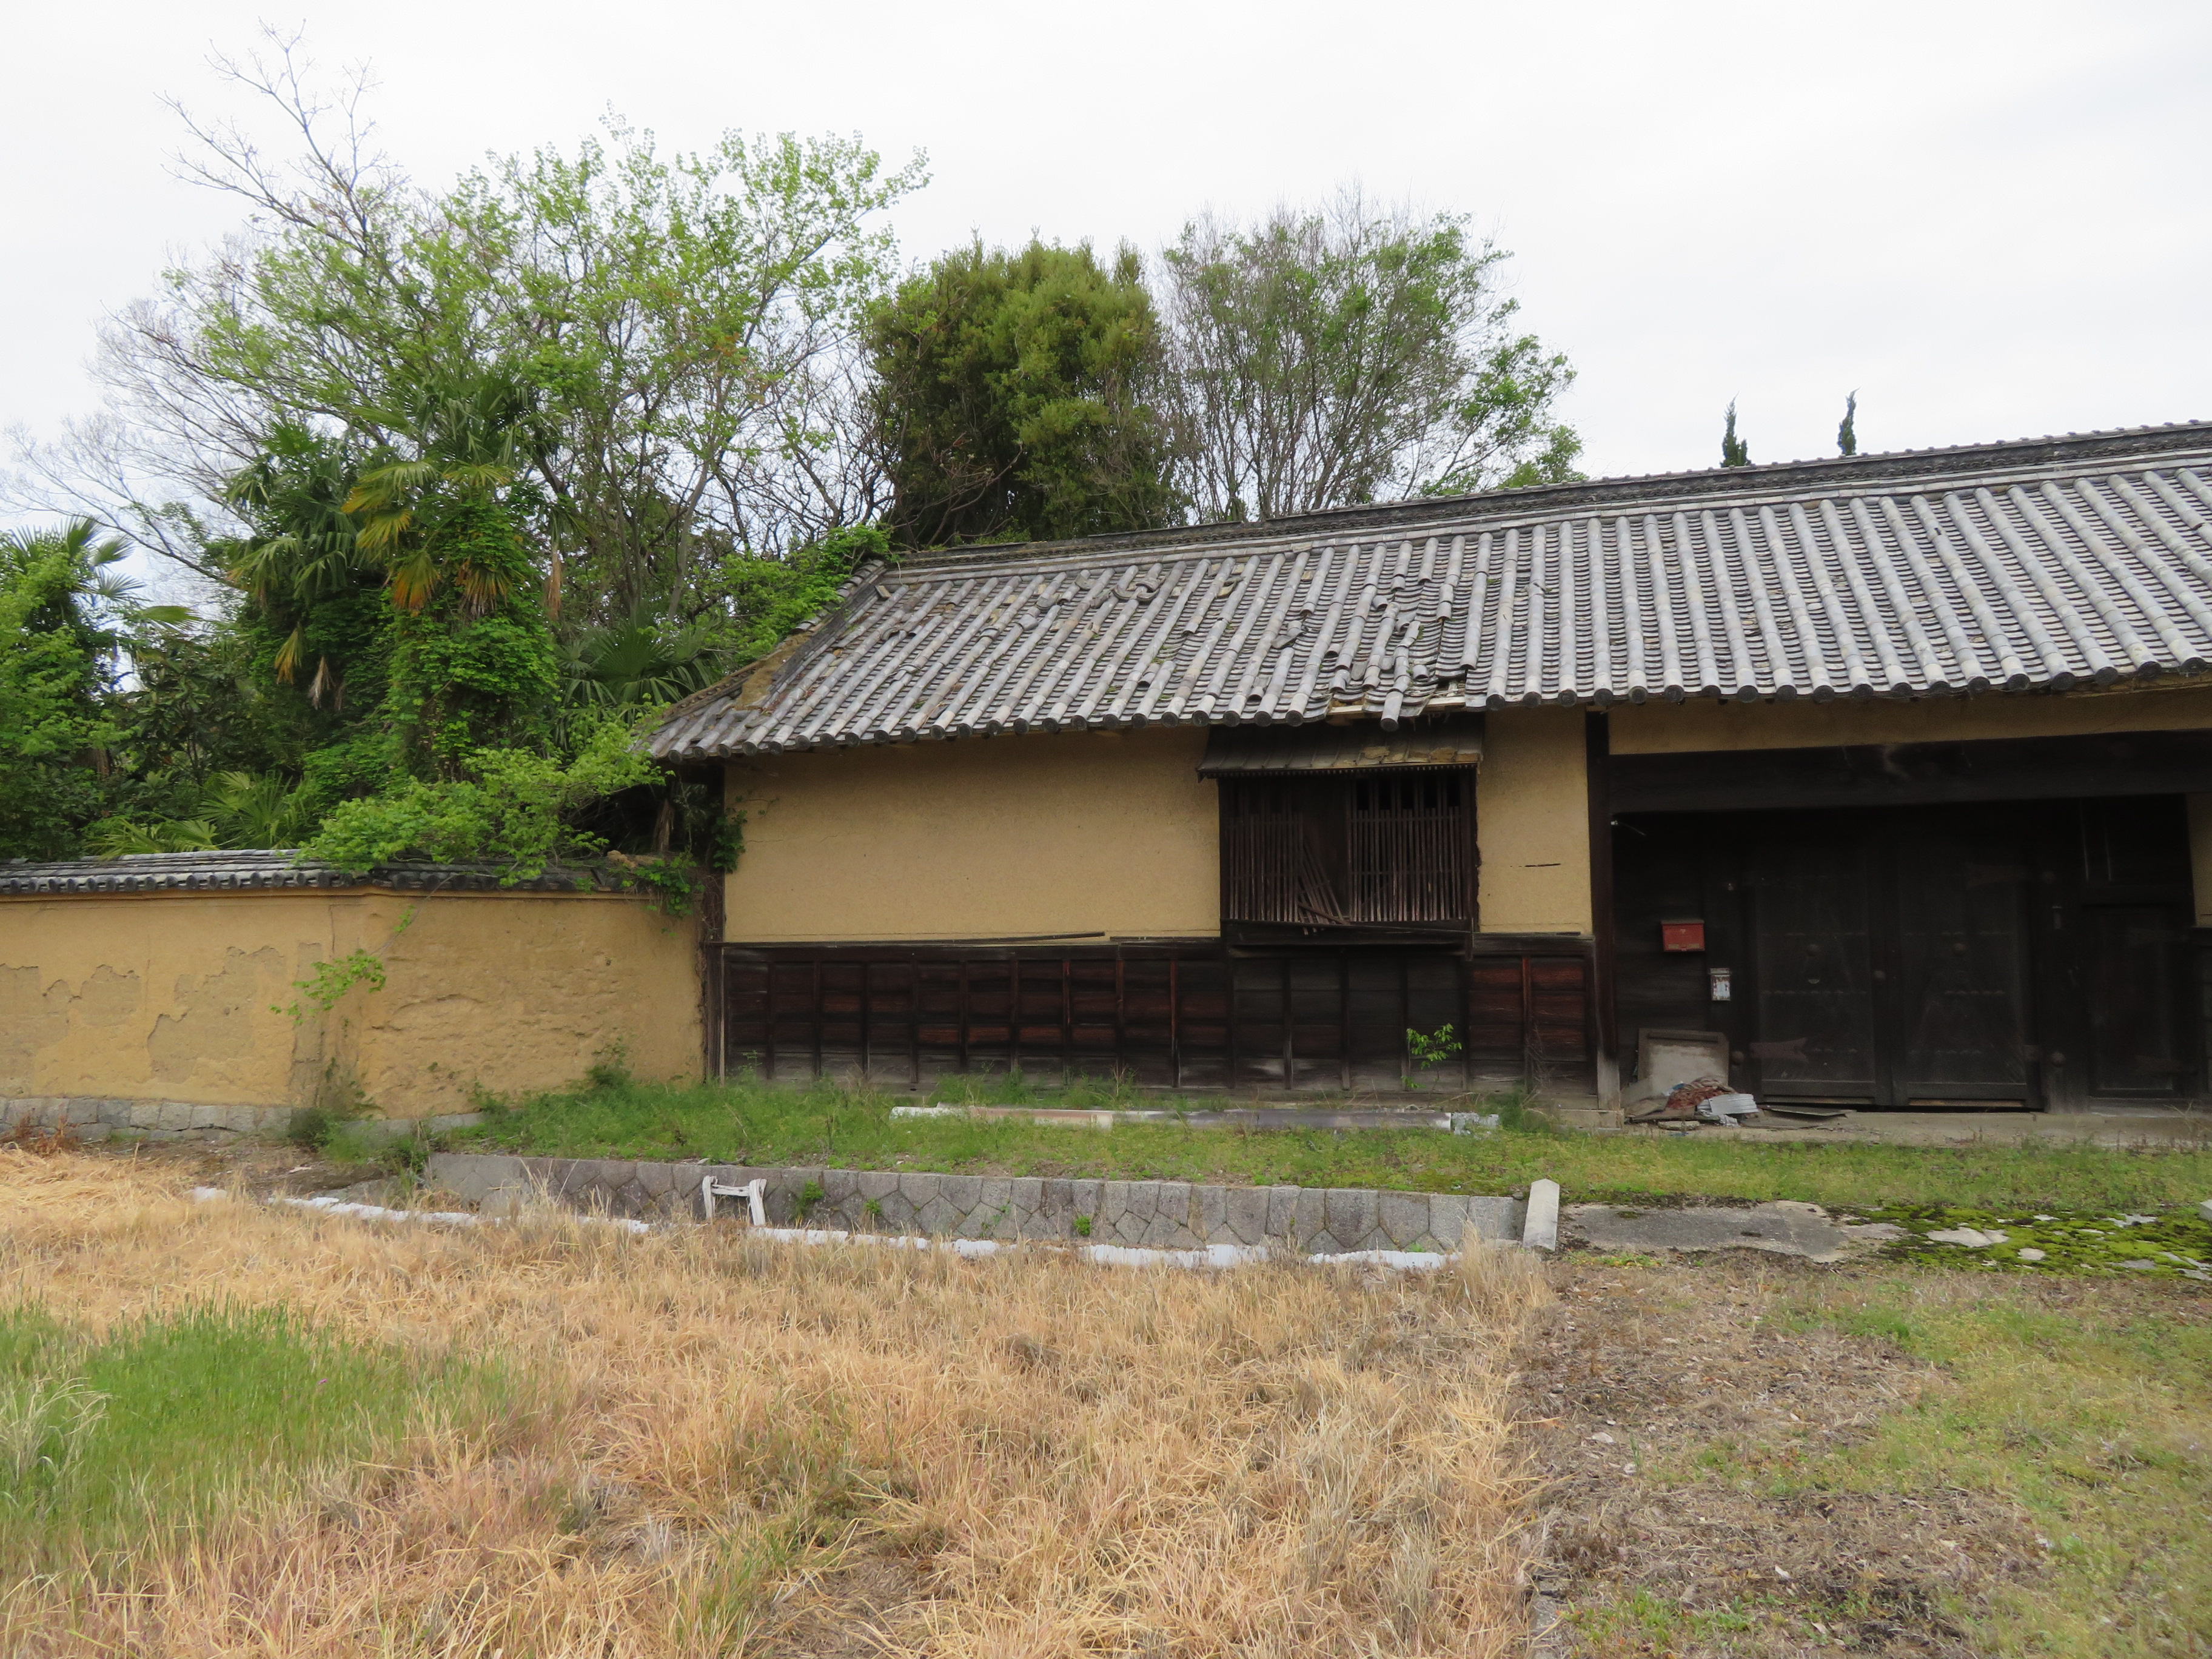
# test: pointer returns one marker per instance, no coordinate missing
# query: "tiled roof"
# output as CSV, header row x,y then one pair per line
x,y
157,873
2044,563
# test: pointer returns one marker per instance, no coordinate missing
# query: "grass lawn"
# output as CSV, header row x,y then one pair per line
x,y
763,1124
178,1422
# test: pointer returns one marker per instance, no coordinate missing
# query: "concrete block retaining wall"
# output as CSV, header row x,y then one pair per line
x,y
94,1117
1148,1214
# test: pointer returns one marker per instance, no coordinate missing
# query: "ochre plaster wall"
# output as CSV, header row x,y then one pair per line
x,y
1532,823
125,995
176,996
1652,728
1042,836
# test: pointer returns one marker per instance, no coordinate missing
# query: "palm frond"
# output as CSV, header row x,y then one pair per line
x,y
115,838
479,474
414,579
289,654
393,477
251,811
483,588
383,531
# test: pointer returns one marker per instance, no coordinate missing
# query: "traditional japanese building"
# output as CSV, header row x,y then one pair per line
x,y
1895,770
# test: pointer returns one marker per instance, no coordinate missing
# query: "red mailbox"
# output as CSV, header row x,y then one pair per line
x,y
1681,935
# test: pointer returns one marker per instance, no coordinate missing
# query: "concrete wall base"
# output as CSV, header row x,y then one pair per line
x,y
1170,1215
96,1117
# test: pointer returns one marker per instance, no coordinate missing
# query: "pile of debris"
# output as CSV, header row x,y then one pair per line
x,y
1683,1084
1704,1100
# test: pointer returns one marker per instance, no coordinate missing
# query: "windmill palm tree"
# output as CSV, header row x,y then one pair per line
x,y
91,590
467,432
643,658
308,552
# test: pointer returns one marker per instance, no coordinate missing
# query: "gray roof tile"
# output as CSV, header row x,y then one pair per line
x,y
2044,563
215,872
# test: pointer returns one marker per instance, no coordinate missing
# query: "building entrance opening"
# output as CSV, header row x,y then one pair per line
x,y
2024,954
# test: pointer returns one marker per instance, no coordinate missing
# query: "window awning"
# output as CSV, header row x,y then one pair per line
x,y
1250,750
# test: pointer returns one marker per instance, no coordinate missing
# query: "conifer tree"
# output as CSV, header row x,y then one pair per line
x,y
1847,435
1734,451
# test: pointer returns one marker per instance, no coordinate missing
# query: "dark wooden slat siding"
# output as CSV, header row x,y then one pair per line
x,y
1195,1016
1387,847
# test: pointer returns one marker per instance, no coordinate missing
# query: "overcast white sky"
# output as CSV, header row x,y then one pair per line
x,y
1991,219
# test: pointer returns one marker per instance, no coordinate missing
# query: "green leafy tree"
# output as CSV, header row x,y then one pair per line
x,y
473,661
1324,358
1734,452
1847,433
314,618
192,707
1012,397
510,807
766,596
682,327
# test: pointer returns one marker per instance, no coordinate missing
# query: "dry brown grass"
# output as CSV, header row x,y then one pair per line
x,y
725,1446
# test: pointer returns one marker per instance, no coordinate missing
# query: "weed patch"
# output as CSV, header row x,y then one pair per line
x,y
1752,1458
750,1121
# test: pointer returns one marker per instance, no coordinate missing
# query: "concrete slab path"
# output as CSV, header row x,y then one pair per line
x,y
2134,1127
1782,1227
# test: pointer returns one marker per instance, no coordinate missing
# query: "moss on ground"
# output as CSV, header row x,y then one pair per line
x,y
2175,1244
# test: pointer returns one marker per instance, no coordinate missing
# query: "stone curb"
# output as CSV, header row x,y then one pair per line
x,y
1170,1215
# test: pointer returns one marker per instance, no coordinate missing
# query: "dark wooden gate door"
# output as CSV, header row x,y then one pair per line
x,y
1815,980
1959,1014
1890,957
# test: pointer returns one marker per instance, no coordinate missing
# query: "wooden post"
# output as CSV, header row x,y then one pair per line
x,y
1344,1020
1603,1021
960,1016
866,1009
1120,1015
1175,1020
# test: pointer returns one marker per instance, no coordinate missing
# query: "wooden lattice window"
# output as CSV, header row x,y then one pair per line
x,y
1346,849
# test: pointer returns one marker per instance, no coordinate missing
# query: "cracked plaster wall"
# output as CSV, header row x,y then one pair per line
x,y
178,997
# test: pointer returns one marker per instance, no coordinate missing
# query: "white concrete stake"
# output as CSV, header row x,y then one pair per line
x,y
1540,1225
754,1192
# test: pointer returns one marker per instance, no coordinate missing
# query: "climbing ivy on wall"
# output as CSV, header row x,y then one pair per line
x,y
472,661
